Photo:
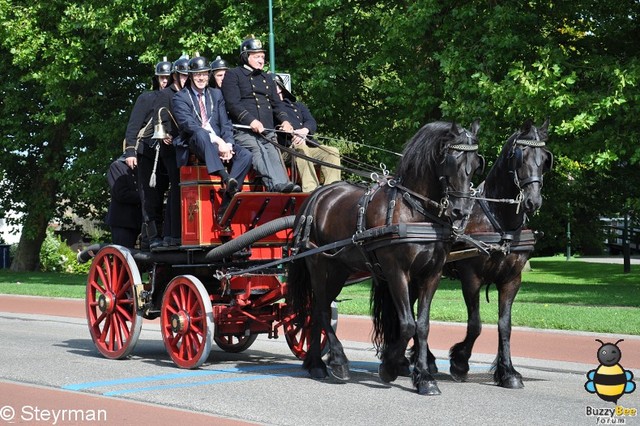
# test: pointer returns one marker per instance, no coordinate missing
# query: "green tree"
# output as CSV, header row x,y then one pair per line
x,y
372,72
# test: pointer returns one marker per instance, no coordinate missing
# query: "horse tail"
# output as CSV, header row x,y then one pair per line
x,y
386,325
299,289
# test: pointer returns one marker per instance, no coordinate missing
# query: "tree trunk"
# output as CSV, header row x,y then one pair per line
x,y
27,257
41,207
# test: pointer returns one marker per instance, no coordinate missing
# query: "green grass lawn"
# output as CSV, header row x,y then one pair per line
x,y
556,294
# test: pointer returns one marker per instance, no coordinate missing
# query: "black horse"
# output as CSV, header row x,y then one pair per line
x,y
516,175
393,230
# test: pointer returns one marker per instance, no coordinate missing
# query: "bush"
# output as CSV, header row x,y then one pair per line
x,y
57,256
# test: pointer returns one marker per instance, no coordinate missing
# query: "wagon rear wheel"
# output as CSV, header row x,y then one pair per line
x,y
299,337
186,321
235,344
113,316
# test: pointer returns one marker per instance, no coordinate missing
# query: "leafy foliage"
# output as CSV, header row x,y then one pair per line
x,y
372,72
57,256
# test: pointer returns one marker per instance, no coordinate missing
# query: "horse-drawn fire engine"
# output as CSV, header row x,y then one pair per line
x,y
183,285
226,282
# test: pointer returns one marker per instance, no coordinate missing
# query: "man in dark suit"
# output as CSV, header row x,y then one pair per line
x,y
205,128
250,95
124,216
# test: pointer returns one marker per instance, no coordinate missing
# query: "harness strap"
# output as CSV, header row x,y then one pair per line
x,y
489,215
391,204
393,234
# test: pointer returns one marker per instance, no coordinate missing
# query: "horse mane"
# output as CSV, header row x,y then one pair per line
x,y
422,150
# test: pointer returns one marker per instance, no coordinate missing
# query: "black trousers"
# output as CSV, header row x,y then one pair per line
x,y
124,236
152,197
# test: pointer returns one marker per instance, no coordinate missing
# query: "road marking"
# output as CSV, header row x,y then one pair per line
x,y
356,367
177,376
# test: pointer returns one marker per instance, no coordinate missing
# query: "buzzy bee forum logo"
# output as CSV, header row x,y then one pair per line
x,y
610,381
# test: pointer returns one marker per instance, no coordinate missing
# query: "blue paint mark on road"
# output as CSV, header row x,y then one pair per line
x,y
177,376
357,366
203,383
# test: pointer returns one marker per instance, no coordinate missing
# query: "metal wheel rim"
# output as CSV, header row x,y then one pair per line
x,y
190,344
113,317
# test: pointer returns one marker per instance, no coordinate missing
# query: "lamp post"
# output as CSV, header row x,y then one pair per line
x,y
272,43
568,231
570,181
626,249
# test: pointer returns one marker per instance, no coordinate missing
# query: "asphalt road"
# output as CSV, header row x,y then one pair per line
x,y
44,354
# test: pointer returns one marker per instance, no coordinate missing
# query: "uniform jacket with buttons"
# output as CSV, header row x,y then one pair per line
x,y
299,117
251,95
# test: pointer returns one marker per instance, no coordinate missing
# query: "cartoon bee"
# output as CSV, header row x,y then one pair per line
x,y
609,381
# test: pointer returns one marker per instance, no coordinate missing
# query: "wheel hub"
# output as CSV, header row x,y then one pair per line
x,y
106,302
179,322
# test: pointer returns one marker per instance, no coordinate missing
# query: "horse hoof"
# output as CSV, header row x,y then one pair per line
x,y
428,388
318,373
385,375
457,375
340,372
512,382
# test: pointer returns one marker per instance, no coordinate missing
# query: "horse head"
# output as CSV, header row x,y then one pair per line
x,y
527,160
459,161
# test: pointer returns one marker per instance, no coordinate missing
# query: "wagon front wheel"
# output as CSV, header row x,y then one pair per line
x,y
299,337
186,321
114,320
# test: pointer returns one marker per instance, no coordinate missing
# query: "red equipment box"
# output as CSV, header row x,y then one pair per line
x,y
201,197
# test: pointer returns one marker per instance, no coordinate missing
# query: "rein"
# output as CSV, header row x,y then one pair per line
x,y
293,152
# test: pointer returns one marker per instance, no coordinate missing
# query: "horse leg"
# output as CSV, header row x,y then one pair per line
x,y
422,378
334,282
460,353
431,361
396,336
313,360
394,363
505,375
338,360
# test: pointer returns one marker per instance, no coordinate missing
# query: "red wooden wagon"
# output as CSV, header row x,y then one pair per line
x,y
186,286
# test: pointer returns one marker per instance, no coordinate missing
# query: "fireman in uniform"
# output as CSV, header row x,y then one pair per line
x,y
140,153
304,126
163,115
252,101
219,68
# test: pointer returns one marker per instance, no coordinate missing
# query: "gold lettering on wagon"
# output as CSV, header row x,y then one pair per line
x,y
193,209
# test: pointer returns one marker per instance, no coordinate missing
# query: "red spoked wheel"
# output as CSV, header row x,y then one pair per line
x,y
186,320
299,337
113,316
235,344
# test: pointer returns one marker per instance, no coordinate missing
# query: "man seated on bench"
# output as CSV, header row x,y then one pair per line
x,y
205,129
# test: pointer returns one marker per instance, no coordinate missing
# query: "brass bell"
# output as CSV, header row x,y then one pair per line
x,y
159,132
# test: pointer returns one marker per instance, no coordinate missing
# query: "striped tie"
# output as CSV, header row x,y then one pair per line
x,y
203,110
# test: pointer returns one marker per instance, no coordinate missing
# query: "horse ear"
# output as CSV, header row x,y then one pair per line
x,y
544,129
454,128
475,126
526,126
